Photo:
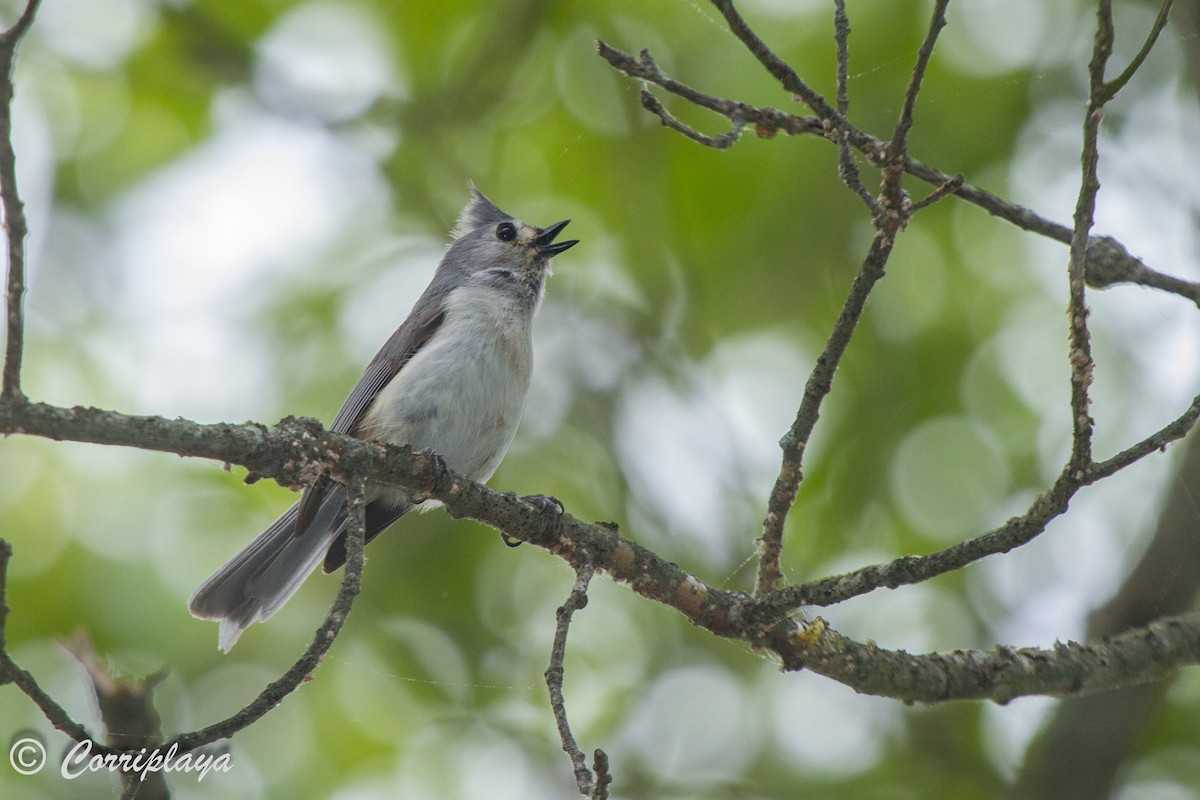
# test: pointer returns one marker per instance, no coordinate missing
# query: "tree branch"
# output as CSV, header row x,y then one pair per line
x,y
1017,531
904,123
1082,366
295,451
818,386
300,671
296,447
268,698
722,142
10,672
554,682
1110,89
767,121
1139,656
894,213
1108,262
783,73
14,211
847,169
1097,733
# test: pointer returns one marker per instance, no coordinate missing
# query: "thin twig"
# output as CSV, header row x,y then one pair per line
x,y
841,37
1154,443
794,443
274,693
894,199
787,483
1014,533
1082,366
5,556
14,213
905,121
576,600
783,73
908,570
948,188
269,697
820,381
10,672
888,224
767,121
1116,84
847,168
722,142
1118,266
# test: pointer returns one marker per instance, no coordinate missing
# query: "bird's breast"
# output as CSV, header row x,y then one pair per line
x,y
462,394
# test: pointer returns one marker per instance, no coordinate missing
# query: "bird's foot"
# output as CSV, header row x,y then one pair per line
x,y
544,503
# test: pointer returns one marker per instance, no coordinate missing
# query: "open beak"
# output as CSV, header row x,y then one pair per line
x,y
545,240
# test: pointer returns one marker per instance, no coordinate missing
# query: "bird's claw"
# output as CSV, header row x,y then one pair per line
x,y
545,504
437,465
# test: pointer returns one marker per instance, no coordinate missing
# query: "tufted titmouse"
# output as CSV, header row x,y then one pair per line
x,y
452,378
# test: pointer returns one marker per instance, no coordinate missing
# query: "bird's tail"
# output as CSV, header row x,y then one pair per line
x,y
256,582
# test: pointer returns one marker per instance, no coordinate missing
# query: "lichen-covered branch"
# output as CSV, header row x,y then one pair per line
x,y
1079,338
1066,670
1097,733
285,452
295,451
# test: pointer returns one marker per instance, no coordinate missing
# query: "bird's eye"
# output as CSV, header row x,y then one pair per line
x,y
506,231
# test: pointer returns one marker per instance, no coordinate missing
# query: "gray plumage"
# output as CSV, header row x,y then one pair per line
x,y
452,378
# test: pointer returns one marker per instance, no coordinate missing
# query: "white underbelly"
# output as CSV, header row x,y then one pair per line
x,y
461,395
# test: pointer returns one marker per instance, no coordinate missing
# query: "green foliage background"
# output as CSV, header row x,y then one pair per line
x,y
672,348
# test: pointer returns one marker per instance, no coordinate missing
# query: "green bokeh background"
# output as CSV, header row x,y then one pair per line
x,y
672,349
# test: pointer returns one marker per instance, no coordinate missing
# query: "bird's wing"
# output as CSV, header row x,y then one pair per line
x,y
410,337
391,358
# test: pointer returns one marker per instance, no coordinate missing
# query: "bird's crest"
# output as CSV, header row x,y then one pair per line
x,y
479,212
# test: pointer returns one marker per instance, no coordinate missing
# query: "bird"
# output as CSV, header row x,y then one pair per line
x,y
452,379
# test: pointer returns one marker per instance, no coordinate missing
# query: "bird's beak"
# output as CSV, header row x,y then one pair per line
x,y
544,240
